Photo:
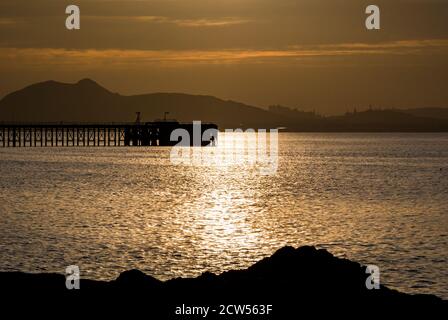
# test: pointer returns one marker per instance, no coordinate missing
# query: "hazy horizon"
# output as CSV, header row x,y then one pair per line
x,y
337,112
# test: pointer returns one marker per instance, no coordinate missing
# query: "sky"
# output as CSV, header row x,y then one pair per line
x,y
307,54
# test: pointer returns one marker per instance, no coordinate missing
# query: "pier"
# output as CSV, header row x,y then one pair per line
x,y
98,134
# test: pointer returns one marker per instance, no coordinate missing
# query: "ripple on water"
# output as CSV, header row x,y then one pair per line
x,y
376,199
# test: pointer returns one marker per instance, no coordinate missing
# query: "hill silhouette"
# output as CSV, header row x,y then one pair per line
x,y
87,101
437,113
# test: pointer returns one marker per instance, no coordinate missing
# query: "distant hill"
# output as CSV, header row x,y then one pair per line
x,y
87,101
436,113
385,120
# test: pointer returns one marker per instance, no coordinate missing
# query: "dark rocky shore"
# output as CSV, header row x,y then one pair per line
x,y
293,281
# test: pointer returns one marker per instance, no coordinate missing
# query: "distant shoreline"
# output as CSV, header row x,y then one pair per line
x,y
87,101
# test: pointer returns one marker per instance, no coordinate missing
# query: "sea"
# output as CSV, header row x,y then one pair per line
x,y
375,198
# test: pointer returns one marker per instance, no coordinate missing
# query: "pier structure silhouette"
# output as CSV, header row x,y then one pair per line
x,y
157,133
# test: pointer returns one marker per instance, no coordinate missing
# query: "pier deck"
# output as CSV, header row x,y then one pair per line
x,y
95,134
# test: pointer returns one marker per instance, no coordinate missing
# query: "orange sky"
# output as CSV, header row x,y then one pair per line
x,y
311,54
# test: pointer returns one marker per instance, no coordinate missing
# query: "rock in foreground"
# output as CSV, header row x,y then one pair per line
x,y
293,281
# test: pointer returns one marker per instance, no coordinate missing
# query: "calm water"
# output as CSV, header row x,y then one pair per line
x,y
375,198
